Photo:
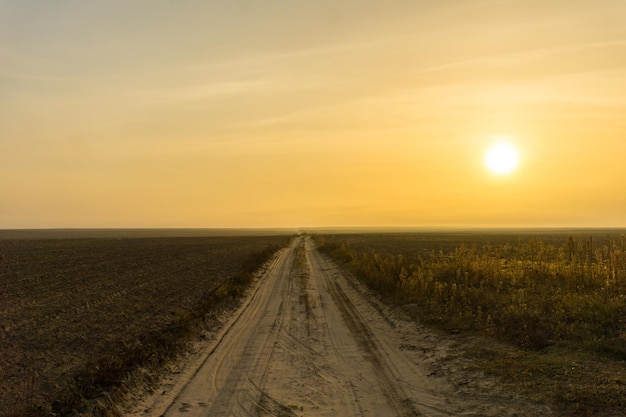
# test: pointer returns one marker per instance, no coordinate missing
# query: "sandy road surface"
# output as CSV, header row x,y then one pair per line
x,y
308,343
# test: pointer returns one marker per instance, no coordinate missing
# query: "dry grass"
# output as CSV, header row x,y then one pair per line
x,y
79,317
563,305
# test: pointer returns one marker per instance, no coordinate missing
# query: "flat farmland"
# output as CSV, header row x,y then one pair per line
x,y
71,310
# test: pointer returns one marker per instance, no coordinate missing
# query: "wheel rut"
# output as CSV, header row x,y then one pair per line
x,y
308,343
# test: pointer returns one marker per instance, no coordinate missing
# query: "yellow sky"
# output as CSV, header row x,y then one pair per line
x,y
301,113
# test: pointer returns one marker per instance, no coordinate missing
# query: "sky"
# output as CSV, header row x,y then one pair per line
x,y
276,113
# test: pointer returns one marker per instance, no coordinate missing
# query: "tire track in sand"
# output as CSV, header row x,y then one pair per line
x,y
307,343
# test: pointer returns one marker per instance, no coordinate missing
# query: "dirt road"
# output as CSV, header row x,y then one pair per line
x,y
307,342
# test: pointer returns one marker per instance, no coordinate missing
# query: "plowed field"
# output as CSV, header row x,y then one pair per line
x,y
68,303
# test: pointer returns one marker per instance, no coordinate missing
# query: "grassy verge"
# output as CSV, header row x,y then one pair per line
x,y
571,381
556,314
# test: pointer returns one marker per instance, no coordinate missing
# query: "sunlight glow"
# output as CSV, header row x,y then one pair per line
x,y
502,158
226,114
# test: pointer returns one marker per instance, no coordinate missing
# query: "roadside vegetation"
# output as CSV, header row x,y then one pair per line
x,y
84,321
560,300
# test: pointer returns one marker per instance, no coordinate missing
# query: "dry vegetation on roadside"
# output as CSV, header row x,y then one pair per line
x,y
79,317
560,300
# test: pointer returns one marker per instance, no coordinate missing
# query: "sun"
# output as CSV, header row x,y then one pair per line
x,y
502,158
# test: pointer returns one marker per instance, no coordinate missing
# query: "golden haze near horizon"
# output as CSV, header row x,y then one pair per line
x,y
282,114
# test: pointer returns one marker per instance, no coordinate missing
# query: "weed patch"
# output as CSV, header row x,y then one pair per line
x,y
535,294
